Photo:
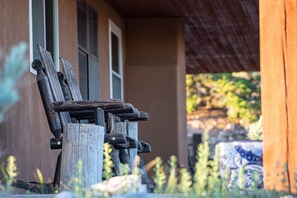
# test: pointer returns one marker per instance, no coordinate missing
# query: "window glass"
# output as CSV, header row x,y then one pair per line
x,y
117,87
43,28
49,26
87,28
116,75
83,74
93,29
115,53
82,23
38,28
93,76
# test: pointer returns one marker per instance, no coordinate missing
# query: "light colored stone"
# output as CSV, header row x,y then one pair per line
x,y
65,194
120,185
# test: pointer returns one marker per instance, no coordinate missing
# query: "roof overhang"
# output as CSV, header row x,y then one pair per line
x,y
221,36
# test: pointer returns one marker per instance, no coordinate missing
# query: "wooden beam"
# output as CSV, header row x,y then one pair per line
x,y
278,52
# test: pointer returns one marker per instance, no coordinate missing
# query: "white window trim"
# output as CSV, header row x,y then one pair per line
x,y
33,71
113,28
56,34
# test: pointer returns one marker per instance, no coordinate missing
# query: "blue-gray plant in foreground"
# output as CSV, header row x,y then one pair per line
x,y
14,66
10,173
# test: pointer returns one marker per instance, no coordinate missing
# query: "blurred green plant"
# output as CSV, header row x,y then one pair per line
x,y
10,173
78,180
14,66
172,184
255,131
239,93
107,163
160,176
202,166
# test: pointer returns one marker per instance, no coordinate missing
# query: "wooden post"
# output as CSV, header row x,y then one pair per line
x,y
82,142
130,129
133,133
278,52
121,127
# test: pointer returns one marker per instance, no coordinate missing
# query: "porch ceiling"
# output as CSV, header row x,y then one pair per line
x,y
221,35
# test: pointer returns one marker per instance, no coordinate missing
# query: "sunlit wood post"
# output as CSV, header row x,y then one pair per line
x,y
278,59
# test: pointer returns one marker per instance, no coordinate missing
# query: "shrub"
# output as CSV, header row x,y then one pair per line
x,y
255,131
14,66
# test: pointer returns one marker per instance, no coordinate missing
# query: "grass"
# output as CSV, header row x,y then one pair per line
x,y
169,179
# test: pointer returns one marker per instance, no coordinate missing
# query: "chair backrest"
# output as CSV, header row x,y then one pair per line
x,y
47,99
55,85
71,80
76,94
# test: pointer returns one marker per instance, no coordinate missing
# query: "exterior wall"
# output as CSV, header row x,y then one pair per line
x,y
278,41
154,82
68,44
25,132
68,37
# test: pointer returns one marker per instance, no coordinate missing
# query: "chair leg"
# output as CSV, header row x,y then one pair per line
x,y
57,171
124,157
116,160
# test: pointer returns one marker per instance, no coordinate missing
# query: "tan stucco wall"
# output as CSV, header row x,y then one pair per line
x,y
25,132
154,82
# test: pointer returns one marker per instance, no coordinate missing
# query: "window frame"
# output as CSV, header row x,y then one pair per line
x,y
113,28
90,93
55,33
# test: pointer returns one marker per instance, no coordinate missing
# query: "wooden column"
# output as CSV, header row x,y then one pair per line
x,y
82,142
278,52
130,129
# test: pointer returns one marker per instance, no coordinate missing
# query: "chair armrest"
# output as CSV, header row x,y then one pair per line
x,y
144,147
61,106
134,117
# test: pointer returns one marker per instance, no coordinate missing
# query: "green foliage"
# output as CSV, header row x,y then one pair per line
x,y
214,175
172,179
107,163
40,180
255,131
201,167
78,180
237,92
10,173
14,66
185,183
173,184
124,169
160,177
207,179
136,172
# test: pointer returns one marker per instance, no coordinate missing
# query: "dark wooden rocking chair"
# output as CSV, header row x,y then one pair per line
x,y
60,112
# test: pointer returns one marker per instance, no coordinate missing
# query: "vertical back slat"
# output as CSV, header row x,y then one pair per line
x,y
47,59
71,80
132,131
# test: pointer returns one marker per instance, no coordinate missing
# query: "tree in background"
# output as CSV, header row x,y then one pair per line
x,y
239,93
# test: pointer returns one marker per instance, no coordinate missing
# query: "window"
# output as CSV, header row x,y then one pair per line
x,y
87,28
115,61
44,28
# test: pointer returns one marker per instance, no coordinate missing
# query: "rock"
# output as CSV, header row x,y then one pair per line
x,y
120,185
65,194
